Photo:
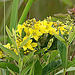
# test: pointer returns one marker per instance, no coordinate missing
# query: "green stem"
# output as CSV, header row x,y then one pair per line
x,y
63,71
4,21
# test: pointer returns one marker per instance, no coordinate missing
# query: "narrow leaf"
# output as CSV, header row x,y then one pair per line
x,y
54,54
11,37
37,68
25,12
11,71
62,51
60,38
70,64
14,12
26,69
71,37
62,48
51,67
26,58
10,52
70,69
11,66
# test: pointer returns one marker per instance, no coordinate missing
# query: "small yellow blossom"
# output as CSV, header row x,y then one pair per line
x,y
34,44
15,51
7,46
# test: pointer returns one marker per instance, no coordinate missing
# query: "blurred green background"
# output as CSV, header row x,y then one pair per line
x,y
40,9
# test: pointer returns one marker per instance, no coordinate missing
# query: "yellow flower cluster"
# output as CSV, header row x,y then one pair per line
x,y
36,29
1,54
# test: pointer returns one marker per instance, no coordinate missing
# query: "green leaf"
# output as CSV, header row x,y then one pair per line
x,y
60,38
37,68
13,20
25,41
10,52
26,69
11,37
62,51
71,36
14,14
45,57
26,58
51,67
25,12
11,66
39,51
54,54
70,69
70,64
32,70
11,71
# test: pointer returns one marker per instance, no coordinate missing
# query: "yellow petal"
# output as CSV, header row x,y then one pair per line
x,y
34,44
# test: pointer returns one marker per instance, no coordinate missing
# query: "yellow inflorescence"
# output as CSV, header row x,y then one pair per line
x,y
36,29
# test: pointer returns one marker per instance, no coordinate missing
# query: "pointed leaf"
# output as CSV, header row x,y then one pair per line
x,y
60,38
26,69
54,54
37,68
71,37
11,37
11,66
62,51
10,52
14,13
26,58
11,71
25,12
51,67
70,64
70,69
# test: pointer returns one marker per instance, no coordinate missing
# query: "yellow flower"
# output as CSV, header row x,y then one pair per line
x,y
36,34
19,29
15,51
34,44
62,28
28,44
25,52
35,50
52,30
7,46
27,31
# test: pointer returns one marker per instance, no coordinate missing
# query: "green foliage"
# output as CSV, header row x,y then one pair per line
x,y
37,68
11,37
25,12
44,58
51,67
69,69
62,51
11,71
71,37
14,13
10,52
11,66
60,38
25,70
